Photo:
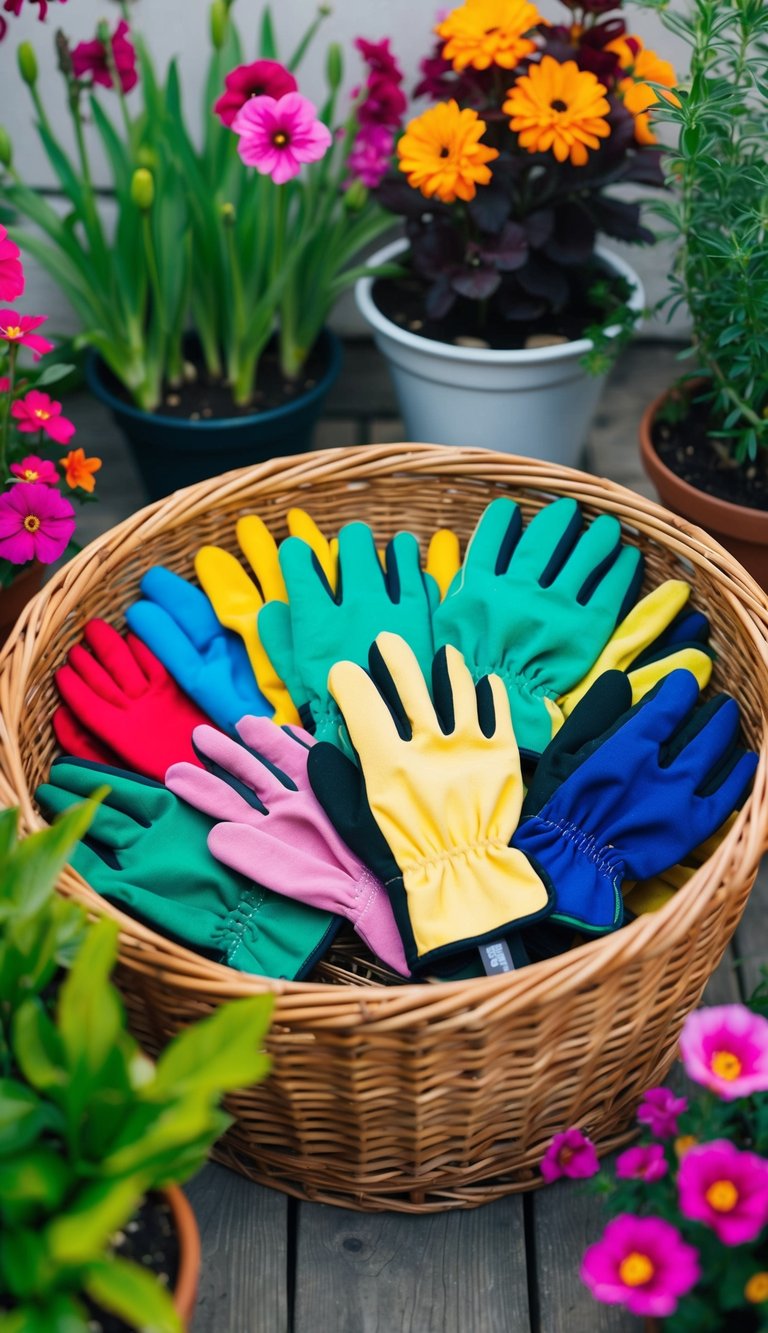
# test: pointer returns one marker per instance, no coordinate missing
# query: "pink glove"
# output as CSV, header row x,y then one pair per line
x,y
276,831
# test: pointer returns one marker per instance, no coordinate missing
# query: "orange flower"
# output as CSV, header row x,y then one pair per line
x,y
79,470
441,155
559,107
482,33
637,94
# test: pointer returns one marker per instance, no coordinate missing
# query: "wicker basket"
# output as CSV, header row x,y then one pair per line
x,y
417,1097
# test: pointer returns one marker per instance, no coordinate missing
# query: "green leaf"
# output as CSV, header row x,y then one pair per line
x,y
50,374
80,1234
267,42
23,1117
89,1013
132,1294
219,1053
38,1178
38,1046
30,878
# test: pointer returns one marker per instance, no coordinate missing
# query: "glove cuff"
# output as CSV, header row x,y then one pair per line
x,y
273,936
586,876
372,916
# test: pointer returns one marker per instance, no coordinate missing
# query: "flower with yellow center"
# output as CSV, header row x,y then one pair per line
x,y
722,1195
636,1269
756,1290
441,153
726,1065
683,1144
559,108
642,65
481,33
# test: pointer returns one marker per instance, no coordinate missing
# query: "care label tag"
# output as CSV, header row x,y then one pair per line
x,y
496,957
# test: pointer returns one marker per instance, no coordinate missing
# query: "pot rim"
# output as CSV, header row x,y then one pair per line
x,y
94,364
481,355
188,1275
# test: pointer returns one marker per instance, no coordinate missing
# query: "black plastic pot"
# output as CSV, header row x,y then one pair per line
x,y
171,453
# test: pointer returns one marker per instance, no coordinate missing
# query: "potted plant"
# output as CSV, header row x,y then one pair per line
x,y
704,443
205,304
94,1138
507,314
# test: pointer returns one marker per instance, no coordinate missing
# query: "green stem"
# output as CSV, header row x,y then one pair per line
x,y
6,422
40,109
85,166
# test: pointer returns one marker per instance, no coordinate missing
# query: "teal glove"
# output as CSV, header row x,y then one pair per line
x,y
318,628
147,852
537,609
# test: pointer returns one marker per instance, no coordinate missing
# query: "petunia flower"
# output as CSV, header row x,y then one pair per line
x,y
79,470
726,1189
642,1263
33,468
725,1048
660,1110
11,272
36,523
262,78
645,1162
278,135
18,329
36,411
570,1154
91,58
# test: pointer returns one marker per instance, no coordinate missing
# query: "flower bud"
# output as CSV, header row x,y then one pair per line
x,y
334,67
355,196
147,157
27,63
143,189
6,148
219,18
228,216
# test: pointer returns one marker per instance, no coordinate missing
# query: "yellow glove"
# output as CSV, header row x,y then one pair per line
x,y
446,804
443,558
645,623
443,555
649,895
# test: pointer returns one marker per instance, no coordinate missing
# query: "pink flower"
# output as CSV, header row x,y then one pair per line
x,y
263,78
383,104
36,523
371,155
33,468
39,412
379,58
725,1048
646,1162
659,1110
725,1189
643,1263
14,7
15,328
11,272
5,384
91,58
277,135
570,1154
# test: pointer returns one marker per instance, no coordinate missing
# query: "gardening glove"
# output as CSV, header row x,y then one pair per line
x,y
659,782
146,851
443,558
326,629
443,555
538,609
122,696
274,822
656,637
649,895
176,620
446,792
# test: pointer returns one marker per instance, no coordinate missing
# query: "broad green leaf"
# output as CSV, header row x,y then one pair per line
x,y
133,1294
220,1053
79,1235
38,1046
89,1013
30,877
267,42
38,1178
50,374
150,1134
23,1117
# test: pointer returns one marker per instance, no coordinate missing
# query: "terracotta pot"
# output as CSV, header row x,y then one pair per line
x,y
742,531
188,1276
14,598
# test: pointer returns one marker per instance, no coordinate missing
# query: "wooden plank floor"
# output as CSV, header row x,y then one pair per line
x,y
273,1265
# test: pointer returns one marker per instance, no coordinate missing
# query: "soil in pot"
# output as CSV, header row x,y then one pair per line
x,y
682,437
151,1240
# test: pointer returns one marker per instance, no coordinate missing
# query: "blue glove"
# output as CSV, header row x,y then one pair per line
x,y
632,802
177,622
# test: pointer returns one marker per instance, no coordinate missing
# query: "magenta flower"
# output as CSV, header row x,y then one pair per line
x,y
725,1189
262,78
384,103
379,58
277,135
725,1048
18,329
643,1263
570,1154
91,58
39,412
646,1162
33,468
36,523
370,156
15,6
11,272
659,1110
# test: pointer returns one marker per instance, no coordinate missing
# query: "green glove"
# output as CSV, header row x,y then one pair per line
x,y
147,852
319,628
537,609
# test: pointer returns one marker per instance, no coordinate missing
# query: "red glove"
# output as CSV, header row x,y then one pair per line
x,y
120,701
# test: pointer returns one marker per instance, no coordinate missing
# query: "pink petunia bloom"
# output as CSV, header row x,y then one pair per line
x,y
725,1189
278,135
33,468
91,58
370,156
660,1110
570,1154
725,1048
39,412
36,523
646,1162
11,272
18,329
262,78
642,1263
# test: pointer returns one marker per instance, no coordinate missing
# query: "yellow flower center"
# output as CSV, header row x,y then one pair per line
x,y
756,1290
13,331
683,1144
636,1269
41,414
30,474
31,522
723,1196
280,139
726,1065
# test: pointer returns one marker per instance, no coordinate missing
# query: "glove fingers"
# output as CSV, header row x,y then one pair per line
x,y
231,592
110,827
153,669
116,657
714,731
494,539
87,706
75,739
502,716
237,766
276,673
369,720
733,789
547,541
304,577
93,674
166,639
187,605
592,555
400,661
405,578
211,795
443,558
278,746
617,590
260,550
301,524
454,692
660,714
688,658
359,563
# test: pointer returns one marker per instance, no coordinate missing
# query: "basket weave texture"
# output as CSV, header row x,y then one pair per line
x,y
417,1097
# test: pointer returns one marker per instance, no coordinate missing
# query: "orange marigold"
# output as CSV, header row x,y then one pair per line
x,y
482,33
638,96
559,108
79,470
441,155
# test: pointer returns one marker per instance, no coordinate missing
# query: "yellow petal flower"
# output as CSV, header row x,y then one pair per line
x,y
481,33
560,109
441,155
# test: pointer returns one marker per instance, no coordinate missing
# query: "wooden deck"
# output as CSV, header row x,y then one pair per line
x,y
273,1265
